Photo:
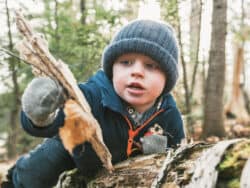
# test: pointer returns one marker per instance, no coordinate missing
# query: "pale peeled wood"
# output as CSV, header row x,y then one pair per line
x,y
34,50
245,175
205,173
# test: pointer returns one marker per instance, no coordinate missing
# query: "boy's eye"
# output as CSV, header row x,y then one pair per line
x,y
152,66
126,62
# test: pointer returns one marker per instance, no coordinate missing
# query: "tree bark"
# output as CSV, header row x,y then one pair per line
x,y
213,113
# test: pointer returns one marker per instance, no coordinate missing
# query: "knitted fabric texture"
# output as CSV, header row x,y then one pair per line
x,y
150,38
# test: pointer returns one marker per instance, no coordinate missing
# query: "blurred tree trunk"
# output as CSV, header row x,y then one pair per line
x,y
195,28
14,111
213,113
236,106
56,18
183,62
132,9
83,11
187,126
170,13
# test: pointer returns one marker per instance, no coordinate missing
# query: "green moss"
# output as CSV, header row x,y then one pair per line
x,y
235,157
232,164
234,183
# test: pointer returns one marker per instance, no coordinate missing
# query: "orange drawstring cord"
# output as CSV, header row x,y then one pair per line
x,y
132,133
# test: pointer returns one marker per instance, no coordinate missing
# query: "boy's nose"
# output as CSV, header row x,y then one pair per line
x,y
137,68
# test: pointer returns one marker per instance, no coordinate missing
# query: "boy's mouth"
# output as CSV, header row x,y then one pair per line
x,y
135,86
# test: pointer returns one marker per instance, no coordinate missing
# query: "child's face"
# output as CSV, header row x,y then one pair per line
x,y
138,80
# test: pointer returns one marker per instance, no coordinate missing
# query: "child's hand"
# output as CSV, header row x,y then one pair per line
x,y
154,144
40,100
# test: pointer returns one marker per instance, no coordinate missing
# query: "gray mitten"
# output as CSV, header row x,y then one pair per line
x,y
41,99
154,144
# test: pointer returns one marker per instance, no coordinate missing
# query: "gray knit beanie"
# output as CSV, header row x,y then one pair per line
x,y
151,38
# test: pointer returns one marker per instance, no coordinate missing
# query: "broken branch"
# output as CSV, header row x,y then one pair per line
x,y
34,50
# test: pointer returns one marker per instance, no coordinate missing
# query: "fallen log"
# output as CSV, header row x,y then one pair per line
x,y
190,166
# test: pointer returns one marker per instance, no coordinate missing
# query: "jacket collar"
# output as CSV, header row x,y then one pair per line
x,y
109,97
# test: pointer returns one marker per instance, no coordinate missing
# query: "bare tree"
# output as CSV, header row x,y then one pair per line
x,y
183,62
213,113
57,36
171,13
195,28
83,11
15,107
236,105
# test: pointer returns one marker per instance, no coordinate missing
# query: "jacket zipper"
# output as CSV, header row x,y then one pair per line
x,y
132,133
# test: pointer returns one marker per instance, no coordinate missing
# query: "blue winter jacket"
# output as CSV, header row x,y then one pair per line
x,y
43,165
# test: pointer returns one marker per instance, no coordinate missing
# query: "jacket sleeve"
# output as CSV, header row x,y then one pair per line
x,y
41,167
174,130
47,131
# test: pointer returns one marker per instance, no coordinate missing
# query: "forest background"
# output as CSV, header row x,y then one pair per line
x,y
213,89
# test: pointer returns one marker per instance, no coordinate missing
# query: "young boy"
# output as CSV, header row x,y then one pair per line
x,y
130,95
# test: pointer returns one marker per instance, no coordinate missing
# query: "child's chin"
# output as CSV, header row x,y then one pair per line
x,y
134,101
136,104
